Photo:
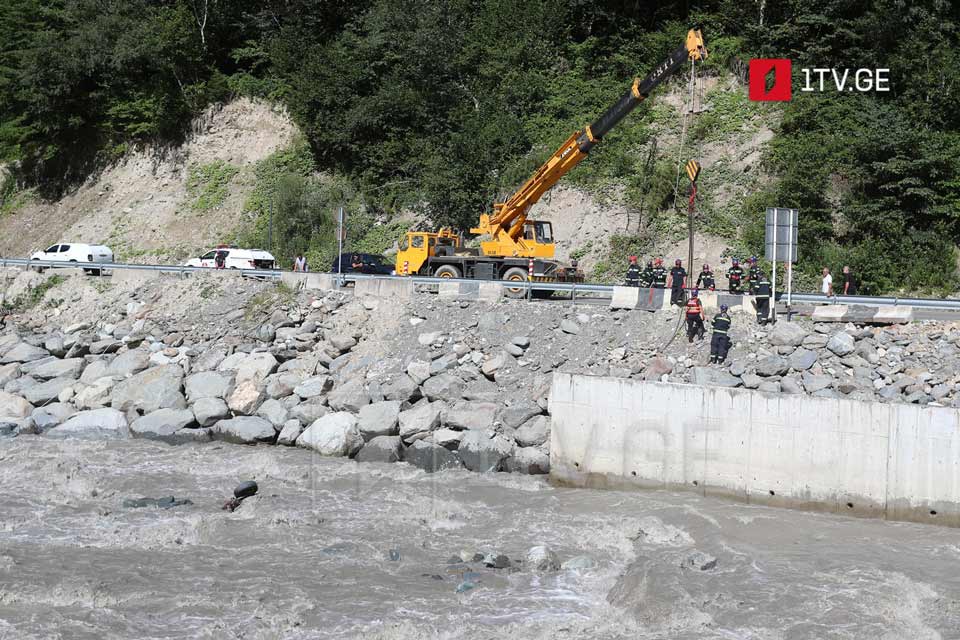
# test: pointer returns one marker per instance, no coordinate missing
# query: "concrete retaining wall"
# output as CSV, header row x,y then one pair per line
x,y
648,299
861,314
391,289
894,461
480,290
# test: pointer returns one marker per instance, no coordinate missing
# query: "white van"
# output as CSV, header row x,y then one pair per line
x,y
236,259
75,252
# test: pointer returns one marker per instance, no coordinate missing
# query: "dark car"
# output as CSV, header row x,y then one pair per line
x,y
372,264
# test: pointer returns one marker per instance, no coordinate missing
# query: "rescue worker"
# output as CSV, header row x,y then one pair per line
x,y
753,275
720,341
633,273
763,298
694,317
677,283
646,276
220,259
705,279
659,274
735,278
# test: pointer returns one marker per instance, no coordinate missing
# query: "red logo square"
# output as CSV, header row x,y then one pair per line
x,y
760,68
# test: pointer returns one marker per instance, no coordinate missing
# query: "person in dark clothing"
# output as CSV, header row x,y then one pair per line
x,y
763,298
646,276
849,282
356,264
735,278
677,283
220,260
694,317
705,279
633,273
659,275
753,275
720,341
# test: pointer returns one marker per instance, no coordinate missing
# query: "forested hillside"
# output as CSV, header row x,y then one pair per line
x,y
442,107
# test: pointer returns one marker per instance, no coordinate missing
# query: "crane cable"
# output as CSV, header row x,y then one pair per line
x,y
695,89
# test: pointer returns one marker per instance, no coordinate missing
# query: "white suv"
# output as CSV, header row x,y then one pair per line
x,y
236,259
75,253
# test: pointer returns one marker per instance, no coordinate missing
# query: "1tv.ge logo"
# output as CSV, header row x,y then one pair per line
x,y
771,79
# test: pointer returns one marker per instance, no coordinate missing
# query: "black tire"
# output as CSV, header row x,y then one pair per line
x,y
515,274
447,271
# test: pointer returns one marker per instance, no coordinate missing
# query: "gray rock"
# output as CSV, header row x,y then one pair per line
x,y
94,371
341,342
335,434
246,397
48,391
918,397
443,363
402,388
699,560
419,371
71,368
813,383
161,424
519,412
13,406
255,367
244,430
769,386
789,384
529,461
126,364
471,415
105,346
889,392
266,333
351,396
310,411
23,352
314,386
815,341
281,385
513,350
432,337
290,432
802,359
209,360
941,391
9,372
56,346
521,341
751,380
431,457
94,424
147,391
208,411
445,386
787,333
841,343
207,384
420,420
21,384
569,326
738,368
772,366
382,449
273,412
49,416
449,438
578,563
484,450
541,558
533,432
379,419
713,378
656,368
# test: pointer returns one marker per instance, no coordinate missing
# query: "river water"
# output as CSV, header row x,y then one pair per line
x,y
310,556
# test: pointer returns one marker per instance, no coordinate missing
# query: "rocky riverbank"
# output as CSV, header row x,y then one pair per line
x,y
438,384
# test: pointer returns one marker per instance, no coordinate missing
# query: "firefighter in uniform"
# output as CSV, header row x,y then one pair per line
x,y
763,298
694,317
705,279
677,283
753,275
646,276
633,273
720,341
659,274
735,278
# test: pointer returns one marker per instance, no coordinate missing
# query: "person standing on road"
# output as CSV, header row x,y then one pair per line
x,y
753,275
633,273
720,341
677,282
299,263
646,276
849,282
694,317
220,259
735,278
763,298
705,279
659,274
826,286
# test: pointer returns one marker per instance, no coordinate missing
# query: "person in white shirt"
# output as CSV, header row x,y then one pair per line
x,y
827,286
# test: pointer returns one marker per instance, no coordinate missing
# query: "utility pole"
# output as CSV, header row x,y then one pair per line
x,y
270,227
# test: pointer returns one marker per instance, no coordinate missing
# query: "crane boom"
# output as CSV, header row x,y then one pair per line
x,y
506,224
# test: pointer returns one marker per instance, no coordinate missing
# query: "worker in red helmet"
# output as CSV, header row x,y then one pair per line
x,y
677,282
659,274
735,278
705,279
633,273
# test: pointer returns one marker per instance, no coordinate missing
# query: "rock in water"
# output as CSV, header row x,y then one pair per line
x,y
542,558
431,457
335,434
482,452
165,502
245,489
699,560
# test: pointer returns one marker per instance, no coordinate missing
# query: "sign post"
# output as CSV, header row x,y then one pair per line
x,y
780,245
340,238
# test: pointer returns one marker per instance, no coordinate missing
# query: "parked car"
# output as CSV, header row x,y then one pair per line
x,y
75,252
372,264
236,259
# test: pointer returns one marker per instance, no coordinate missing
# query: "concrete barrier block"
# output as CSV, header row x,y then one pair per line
x,y
624,297
709,300
448,290
893,314
490,291
830,313
321,281
398,289
295,281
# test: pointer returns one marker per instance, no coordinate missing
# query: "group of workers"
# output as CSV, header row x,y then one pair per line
x,y
654,275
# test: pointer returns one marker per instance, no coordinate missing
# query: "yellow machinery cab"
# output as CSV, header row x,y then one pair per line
x,y
417,247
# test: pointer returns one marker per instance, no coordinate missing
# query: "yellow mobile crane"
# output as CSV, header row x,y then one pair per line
x,y
511,240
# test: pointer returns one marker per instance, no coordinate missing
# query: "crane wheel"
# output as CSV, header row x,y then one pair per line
x,y
515,274
446,271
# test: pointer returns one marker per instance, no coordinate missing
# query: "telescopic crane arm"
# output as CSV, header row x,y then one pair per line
x,y
506,223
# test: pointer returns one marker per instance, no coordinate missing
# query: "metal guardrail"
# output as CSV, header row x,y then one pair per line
x,y
573,288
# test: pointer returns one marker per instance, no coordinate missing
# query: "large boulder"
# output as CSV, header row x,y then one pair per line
x,y
309,412
445,386
772,366
484,450
93,424
209,411
209,360
471,415
541,558
813,383
94,371
23,352
274,412
401,388
246,397
161,424
420,420
147,391
9,372
431,457
841,343
12,406
335,434
519,412
382,449
128,363
313,386
419,371
533,432
71,368
47,391
96,394
787,334
207,384
244,430
713,378
802,359
49,416
282,384
656,368
528,460
379,419
290,432
255,367
351,396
